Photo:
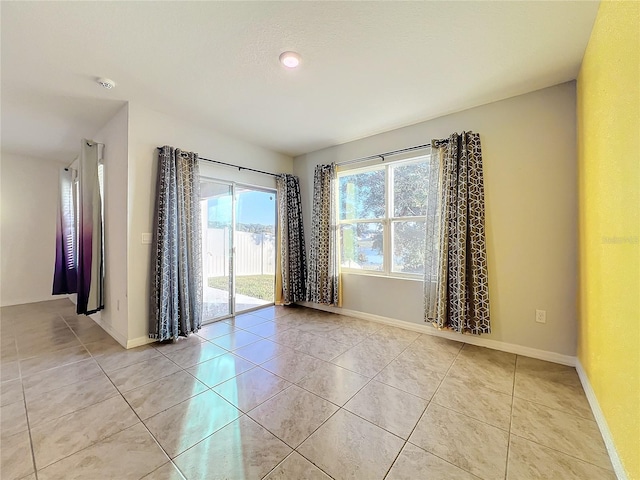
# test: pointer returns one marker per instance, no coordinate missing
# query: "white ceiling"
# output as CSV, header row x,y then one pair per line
x,y
368,67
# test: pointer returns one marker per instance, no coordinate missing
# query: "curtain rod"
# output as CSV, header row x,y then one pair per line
x,y
234,166
385,154
66,169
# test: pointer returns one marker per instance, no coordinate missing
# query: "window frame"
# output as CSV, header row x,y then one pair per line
x,y
387,221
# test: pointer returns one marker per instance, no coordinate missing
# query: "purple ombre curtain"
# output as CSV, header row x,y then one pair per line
x,y
65,273
79,266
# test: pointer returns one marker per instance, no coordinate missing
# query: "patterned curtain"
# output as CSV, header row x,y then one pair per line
x,y
176,308
456,281
65,274
90,235
292,267
323,282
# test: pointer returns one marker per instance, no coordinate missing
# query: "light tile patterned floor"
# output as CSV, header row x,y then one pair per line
x,y
283,393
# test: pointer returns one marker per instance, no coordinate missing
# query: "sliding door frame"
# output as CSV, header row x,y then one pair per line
x,y
232,250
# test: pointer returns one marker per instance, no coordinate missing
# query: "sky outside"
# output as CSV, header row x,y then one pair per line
x,y
252,207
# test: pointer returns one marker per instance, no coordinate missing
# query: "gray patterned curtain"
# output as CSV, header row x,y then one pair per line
x,y
323,280
291,265
456,281
176,308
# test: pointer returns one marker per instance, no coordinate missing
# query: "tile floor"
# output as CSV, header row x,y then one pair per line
x,y
283,393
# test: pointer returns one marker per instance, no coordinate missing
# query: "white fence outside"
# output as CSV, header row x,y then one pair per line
x,y
255,253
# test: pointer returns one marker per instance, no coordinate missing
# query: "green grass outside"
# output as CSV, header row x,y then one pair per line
x,y
256,286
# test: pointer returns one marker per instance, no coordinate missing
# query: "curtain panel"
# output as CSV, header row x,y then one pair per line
x,y
79,264
291,267
65,274
323,281
90,234
456,288
176,303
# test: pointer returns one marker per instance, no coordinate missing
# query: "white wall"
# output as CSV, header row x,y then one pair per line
x,y
147,130
115,136
529,153
29,199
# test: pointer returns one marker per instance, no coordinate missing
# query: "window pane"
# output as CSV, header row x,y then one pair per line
x,y
408,247
410,189
362,245
362,195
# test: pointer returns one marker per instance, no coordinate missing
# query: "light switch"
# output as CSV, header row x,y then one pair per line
x,y
146,238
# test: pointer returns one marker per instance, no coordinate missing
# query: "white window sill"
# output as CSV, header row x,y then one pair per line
x,y
371,273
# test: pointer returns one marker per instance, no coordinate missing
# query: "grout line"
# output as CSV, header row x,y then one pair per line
x,y
290,454
125,400
26,413
422,415
550,408
46,337
242,413
99,366
367,383
556,409
370,379
172,463
24,399
565,453
279,463
142,423
513,390
119,393
246,412
311,434
267,428
382,428
57,366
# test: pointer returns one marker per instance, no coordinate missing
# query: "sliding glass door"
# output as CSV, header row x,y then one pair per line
x,y
216,206
255,247
239,235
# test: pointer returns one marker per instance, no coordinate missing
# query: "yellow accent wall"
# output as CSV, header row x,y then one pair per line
x,y
609,206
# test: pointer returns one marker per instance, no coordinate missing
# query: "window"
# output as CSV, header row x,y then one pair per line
x,y
381,211
71,210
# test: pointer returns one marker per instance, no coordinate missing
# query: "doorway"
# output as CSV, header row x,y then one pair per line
x,y
238,248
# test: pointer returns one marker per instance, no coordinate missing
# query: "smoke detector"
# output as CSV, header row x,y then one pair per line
x,y
106,83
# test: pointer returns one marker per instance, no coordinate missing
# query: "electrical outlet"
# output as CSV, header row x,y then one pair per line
x,y
541,316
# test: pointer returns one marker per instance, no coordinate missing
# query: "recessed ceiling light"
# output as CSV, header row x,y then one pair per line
x,y
290,59
106,83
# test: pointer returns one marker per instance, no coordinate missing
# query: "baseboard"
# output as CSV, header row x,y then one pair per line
x,y
117,336
23,301
471,339
137,342
602,422
121,339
